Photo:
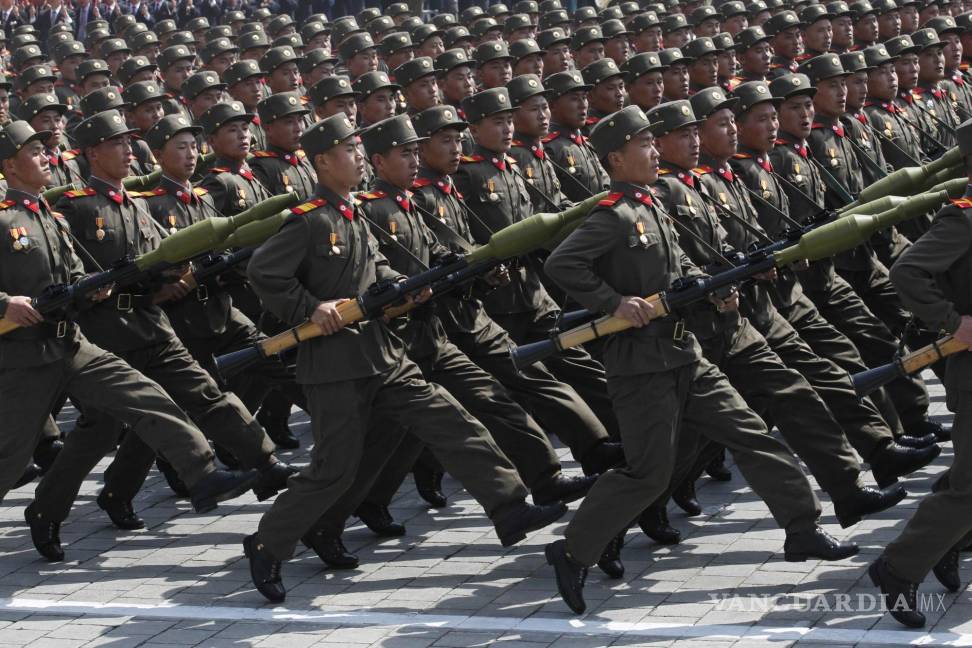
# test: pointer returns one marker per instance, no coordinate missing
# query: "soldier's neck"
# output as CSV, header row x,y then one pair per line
x,y
33,191
343,192
790,137
106,178
176,181
527,139
388,184
707,158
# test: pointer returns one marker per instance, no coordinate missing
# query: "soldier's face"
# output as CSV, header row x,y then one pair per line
x,y
69,65
285,78
44,86
636,161
756,59
399,166
204,101
676,80
112,159
30,166
588,54
709,27
557,59
677,38
831,97
379,105
727,64
718,135
856,91
458,84
442,151
680,147
495,73
789,43
232,140
431,47
796,116
866,28
618,48
49,120
532,117
530,64
366,61
906,68
177,73
735,24
4,104
704,71
889,25
758,127
882,82
285,132
342,166
646,90
422,93
494,132
952,51
346,105
570,109
931,65
248,91
399,57
818,36
178,156
649,40
843,27
221,62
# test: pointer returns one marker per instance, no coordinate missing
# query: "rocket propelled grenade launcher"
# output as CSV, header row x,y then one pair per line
x,y
911,179
511,241
174,250
866,382
814,243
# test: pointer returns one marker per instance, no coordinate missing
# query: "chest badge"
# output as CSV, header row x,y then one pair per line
x,y
640,226
442,216
491,187
334,246
242,197
172,224
832,152
393,230
100,232
765,187
19,236
572,162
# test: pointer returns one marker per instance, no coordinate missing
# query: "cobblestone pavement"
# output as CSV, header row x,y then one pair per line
x,y
182,581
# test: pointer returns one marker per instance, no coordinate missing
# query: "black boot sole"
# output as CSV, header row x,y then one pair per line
x,y
513,537
846,521
792,556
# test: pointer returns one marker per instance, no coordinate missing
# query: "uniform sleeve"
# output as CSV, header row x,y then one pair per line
x,y
274,268
571,264
913,275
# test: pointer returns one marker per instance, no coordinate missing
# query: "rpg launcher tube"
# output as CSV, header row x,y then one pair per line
x,y
908,180
866,382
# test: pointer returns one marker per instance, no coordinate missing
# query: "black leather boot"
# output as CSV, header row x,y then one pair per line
x,y
900,596
264,570
654,522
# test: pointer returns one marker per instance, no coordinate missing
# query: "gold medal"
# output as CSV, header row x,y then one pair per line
x,y
393,230
491,186
100,232
172,224
442,213
833,156
334,248
641,232
15,235
242,195
723,199
570,160
286,181
763,186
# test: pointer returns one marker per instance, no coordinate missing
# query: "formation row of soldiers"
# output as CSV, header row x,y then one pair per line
x,y
716,129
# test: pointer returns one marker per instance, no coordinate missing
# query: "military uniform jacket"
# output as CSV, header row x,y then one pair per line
x,y
204,312
724,186
439,203
934,279
900,142
943,107
36,252
408,245
956,86
233,186
499,197
922,124
780,66
175,104
283,171
326,251
144,158
581,174
64,167
111,226
626,246
66,94
533,164
701,237
258,136
865,144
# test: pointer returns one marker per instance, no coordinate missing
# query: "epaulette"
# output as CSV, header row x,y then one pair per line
x,y
219,170
702,170
199,191
78,193
551,137
611,199
70,155
421,182
663,171
371,195
742,156
511,160
7,204
472,158
158,191
780,142
264,154
308,206
964,65
962,203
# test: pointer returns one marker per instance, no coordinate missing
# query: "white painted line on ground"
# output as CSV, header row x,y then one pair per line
x,y
488,624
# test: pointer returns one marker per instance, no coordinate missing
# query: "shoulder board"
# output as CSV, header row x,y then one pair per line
x,y
817,125
304,99
663,171
962,203
741,156
219,170
611,199
781,142
70,155
421,182
199,191
264,154
702,170
551,137
7,204
158,191
78,193
308,206
510,159
371,195
472,158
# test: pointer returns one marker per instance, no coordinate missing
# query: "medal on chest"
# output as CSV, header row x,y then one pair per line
x,y
334,246
20,239
393,230
172,224
286,182
640,227
692,209
100,232
529,174
723,199
442,217
491,188
241,194
572,162
796,173
832,152
765,187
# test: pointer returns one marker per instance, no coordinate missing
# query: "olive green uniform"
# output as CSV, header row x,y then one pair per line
x,y
581,174
660,384
281,171
934,278
359,378
112,225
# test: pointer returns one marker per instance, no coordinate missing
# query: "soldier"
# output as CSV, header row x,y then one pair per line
x,y
755,55
842,24
643,80
676,31
334,95
68,56
905,55
888,20
396,49
45,114
636,253
283,167
727,58
866,147
376,97
355,379
932,278
607,93
931,97
144,99
244,83
359,54
818,32
218,54
37,79
418,81
135,69
705,21
253,45
279,64
113,227
675,77
955,83
735,17
865,25
787,42
527,57
317,64
114,51
59,350
703,70
531,123
617,45
200,92
587,46
175,66
576,164
647,32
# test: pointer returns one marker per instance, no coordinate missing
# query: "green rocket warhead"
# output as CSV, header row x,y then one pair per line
x,y
909,179
848,232
873,207
955,187
257,232
532,233
209,234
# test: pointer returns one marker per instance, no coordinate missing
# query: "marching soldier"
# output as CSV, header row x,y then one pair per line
x,y
930,95
787,43
175,66
283,167
643,80
955,83
607,93
531,123
358,377
244,83
45,114
144,100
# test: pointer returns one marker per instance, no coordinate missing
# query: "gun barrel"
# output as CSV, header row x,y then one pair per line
x,y
233,363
